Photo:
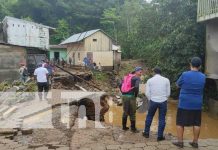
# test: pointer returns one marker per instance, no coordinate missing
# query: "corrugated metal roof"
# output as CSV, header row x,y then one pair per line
x,y
80,36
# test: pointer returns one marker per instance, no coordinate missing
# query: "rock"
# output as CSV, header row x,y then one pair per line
x,y
26,131
35,145
118,97
21,87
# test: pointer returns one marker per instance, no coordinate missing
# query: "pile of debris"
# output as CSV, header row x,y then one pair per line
x,y
64,82
20,110
16,92
69,79
29,86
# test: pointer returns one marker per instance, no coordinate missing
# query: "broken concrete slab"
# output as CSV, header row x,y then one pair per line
x,y
9,123
4,131
63,148
9,112
3,109
28,109
54,145
42,148
35,145
43,113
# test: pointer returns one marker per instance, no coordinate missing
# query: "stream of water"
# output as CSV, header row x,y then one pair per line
x,y
209,128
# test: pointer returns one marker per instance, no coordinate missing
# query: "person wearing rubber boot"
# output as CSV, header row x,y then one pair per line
x,y
130,89
157,92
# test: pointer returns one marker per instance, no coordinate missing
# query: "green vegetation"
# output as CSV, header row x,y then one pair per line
x,y
163,32
27,87
100,76
4,86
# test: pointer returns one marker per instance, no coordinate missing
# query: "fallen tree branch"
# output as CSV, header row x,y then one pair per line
x,y
78,77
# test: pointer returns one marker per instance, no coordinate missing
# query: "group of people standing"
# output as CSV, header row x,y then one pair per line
x,y
89,63
191,84
43,75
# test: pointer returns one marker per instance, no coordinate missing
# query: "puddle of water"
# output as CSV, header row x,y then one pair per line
x,y
208,128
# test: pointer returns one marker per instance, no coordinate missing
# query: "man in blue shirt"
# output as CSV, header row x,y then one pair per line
x,y
190,102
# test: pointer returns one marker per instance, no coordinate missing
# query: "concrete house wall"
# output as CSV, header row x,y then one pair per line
x,y
10,59
21,41
212,49
24,33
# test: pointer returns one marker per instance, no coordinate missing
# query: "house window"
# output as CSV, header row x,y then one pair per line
x,y
94,40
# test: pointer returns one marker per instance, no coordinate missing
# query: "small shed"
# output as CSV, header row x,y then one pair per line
x,y
57,52
97,46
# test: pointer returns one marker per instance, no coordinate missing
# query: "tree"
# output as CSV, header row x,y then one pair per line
x,y
109,21
178,34
5,8
61,33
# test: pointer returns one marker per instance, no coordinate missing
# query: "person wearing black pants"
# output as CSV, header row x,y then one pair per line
x,y
43,86
41,75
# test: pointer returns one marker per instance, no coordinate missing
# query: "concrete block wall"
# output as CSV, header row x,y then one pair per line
x,y
10,59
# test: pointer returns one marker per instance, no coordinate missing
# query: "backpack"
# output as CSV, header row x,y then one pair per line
x,y
127,83
25,72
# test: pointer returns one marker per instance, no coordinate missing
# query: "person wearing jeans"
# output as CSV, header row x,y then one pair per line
x,y
157,91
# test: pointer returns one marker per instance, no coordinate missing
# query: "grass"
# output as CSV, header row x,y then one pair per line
x,y
100,76
4,86
29,87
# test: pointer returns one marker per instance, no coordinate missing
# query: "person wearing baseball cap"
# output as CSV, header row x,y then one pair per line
x,y
130,89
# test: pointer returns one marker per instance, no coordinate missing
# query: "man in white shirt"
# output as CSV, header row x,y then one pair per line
x,y
157,91
41,75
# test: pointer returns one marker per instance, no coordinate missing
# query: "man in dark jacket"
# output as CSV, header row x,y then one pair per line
x,y
129,100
